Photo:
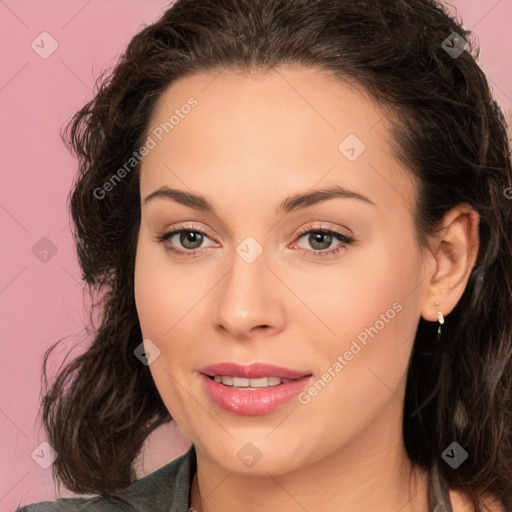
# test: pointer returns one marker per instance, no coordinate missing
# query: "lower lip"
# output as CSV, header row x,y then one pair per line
x,y
255,401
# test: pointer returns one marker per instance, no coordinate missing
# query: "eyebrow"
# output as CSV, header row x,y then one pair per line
x,y
292,203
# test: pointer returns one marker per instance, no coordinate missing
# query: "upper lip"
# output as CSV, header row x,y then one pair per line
x,y
252,371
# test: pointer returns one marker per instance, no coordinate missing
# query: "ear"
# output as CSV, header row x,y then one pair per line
x,y
454,252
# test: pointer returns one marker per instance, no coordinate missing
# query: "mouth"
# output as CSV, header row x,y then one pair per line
x,y
254,389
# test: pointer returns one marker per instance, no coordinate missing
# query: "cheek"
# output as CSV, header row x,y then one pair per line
x,y
168,297
364,367
160,305
368,287
375,314
162,294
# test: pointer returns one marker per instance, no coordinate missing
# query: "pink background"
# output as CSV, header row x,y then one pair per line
x,y
41,302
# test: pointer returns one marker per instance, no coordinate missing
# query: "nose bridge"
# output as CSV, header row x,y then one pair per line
x,y
247,297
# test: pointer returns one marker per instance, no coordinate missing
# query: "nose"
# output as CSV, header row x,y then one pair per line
x,y
249,300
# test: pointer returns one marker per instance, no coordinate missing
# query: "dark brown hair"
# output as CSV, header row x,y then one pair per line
x,y
447,129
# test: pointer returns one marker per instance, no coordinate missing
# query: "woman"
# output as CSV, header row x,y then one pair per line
x,y
299,212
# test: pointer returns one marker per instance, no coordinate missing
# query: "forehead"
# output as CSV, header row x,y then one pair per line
x,y
265,133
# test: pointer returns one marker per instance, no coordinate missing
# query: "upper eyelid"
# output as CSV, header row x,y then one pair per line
x,y
323,225
303,231
186,226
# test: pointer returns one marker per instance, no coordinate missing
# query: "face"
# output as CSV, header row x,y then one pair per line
x,y
326,287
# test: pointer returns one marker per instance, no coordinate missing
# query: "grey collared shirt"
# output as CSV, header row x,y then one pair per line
x,y
168,490
165,490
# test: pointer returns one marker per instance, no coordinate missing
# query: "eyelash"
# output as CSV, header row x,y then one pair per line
x,y
346,240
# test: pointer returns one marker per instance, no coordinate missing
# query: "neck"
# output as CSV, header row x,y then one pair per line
x,y
370,473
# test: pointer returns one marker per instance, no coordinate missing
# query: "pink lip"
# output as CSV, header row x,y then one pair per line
x,y
252,371
255,401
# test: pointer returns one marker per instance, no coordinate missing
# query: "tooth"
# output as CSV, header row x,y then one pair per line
x,y
240,382
259,383
228,381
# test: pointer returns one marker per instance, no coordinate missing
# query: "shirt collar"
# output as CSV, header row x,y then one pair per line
x,y
167,489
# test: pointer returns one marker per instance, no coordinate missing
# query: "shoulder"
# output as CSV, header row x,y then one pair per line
x,y
460,503
167,485
77,505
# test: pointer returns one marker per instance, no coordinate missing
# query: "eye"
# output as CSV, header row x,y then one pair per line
x,y
190,239
320,239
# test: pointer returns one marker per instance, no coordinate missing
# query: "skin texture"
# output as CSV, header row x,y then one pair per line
x,y
250,142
